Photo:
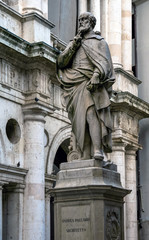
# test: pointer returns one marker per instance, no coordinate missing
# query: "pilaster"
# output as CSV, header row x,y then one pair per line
x,y
95,10
14,207
50,179
82,6
34,197
114,30
126,35
104,19
118,157
131,199
47,215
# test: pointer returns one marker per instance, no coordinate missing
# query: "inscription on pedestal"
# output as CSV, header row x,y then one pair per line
x,y
75,222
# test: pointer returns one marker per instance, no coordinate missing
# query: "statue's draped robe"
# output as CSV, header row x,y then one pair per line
x,y
92,55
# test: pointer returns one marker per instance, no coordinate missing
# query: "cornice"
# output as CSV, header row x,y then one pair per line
x,y
21,47
125,101
12,174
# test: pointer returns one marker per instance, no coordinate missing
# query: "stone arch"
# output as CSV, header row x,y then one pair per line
x,y
60,136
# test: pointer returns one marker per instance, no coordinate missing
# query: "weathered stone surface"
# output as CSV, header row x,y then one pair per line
x,y
87,86
88,202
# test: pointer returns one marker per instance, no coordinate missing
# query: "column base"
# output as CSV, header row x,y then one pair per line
x,y
88,202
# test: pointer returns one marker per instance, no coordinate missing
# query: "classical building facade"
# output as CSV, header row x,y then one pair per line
x,y
34,127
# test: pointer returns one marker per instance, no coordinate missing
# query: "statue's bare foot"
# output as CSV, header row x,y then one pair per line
x,y
98,155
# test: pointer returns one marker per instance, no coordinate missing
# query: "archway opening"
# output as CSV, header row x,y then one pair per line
x,y
60,157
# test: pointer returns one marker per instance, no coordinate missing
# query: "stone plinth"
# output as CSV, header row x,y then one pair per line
x,y
88,202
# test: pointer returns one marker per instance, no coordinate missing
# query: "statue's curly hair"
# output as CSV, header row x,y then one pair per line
x,y
91,18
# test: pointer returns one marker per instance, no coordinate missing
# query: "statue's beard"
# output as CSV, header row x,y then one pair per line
x,y
83,30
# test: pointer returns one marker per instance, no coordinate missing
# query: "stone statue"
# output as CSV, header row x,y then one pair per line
x,y
86,74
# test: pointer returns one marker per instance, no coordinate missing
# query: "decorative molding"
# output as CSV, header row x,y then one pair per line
x,y
11,76
127,102
12,174
128,75
35,112
24,49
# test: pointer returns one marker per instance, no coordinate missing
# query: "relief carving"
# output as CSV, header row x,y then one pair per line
x,y
113,226
36,75
10,75
74,151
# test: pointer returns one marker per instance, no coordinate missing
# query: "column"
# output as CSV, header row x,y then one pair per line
x,y
45,8
131,199
104,19
126,35
114,31
34,195
118,157
29,6
82,6
1,211
95,10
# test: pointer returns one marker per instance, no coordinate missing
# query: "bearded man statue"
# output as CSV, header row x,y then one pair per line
x,y
86,74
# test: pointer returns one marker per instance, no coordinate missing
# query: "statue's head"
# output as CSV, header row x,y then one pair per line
x,y
87,22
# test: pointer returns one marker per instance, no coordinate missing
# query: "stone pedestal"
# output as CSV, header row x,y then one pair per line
x,y
88,202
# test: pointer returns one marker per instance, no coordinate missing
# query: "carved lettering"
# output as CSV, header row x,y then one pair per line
x,y
76,220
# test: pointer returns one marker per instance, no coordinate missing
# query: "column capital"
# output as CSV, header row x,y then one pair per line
x,y
119,146
34,112
49,181
16,188
131,150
